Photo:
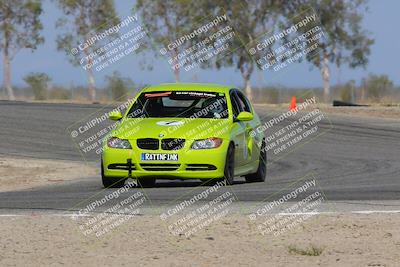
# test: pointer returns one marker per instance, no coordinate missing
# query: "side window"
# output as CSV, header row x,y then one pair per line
x,y
235,105
243,102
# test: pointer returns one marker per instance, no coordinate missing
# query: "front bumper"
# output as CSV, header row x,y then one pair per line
x,y
191,164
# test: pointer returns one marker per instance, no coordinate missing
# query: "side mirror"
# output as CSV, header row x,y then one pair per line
x,y
244,116
115,115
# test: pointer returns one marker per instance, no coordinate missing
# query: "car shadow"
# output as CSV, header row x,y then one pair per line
x,y
179,183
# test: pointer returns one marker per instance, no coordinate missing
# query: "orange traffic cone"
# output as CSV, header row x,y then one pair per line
x,y
293,103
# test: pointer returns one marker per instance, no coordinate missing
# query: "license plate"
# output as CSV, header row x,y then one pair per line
x,y
159,157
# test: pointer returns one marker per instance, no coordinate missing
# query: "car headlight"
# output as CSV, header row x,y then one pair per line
x,y
207,143
115,142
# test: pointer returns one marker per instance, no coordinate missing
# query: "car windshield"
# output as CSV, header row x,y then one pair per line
x,y
181,104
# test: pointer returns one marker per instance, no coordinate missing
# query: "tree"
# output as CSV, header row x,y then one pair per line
x,y
119,86
345,40
20,28
347,91
170,20
167,21
378,86
250,19
88,17
39,84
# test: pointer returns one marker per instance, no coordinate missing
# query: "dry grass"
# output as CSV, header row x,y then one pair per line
x,y
312,250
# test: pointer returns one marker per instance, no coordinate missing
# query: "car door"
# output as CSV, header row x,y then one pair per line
x,y
238,131
248,127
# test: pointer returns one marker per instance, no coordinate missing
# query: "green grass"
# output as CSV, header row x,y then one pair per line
x,y
310,251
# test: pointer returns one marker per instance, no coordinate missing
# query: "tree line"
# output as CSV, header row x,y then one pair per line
x,y
372,89
40,87
345,42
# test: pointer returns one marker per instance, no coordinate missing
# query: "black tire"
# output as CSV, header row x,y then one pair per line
x,y
146,182
229,165
111,182
259,175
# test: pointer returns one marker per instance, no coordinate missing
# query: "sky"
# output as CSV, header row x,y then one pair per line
x,y
381,21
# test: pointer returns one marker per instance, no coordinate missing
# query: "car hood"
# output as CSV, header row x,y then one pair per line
x,y
172,128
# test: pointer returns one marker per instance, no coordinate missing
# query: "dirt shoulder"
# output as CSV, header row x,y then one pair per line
x,y
366,112
375,112
326,240
24,173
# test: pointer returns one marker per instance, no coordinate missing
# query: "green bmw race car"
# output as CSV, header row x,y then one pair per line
x,y
185,131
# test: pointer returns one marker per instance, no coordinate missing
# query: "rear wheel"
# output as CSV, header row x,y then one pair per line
x,y
111,182
229,165
146,182
259,175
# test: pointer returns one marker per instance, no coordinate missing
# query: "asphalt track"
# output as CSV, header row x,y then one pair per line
x,y
353,160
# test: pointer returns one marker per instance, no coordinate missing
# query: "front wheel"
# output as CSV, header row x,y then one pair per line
x,y
111,182
229,165
259,175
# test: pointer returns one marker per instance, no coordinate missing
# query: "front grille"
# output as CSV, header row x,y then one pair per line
x,y
172,143
121,166
148,143
200,167
159,166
